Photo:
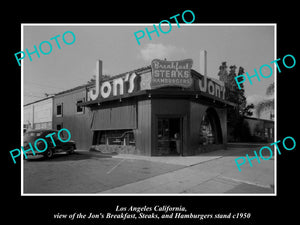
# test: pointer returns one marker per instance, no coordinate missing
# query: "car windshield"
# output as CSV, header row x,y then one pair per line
x,y
32,136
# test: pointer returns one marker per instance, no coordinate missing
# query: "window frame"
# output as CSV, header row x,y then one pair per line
x,y
83,108
61,114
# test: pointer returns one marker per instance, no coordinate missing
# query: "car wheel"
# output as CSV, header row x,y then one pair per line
x,y
71,149
49,154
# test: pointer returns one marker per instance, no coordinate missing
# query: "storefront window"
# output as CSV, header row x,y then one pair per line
x,y
168,136
266,133
206,131
114,137
163,129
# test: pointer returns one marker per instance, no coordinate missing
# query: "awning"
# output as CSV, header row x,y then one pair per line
x,y
115,118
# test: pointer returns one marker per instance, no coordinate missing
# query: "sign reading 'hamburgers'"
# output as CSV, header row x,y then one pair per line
x,y
171,73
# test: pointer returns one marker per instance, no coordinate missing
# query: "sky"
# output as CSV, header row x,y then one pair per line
x,y
75,64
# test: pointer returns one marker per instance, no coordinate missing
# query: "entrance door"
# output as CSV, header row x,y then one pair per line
x,y
169,136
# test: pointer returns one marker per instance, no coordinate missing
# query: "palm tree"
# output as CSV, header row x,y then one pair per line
x,y
267,103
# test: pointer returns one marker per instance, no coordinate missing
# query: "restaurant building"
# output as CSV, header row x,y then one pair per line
x,y
166,108
261,130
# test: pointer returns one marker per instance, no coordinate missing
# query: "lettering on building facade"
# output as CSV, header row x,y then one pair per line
x,y
212,87
115,87
171,73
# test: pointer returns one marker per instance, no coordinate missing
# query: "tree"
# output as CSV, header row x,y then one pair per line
x,y
233,93
267,103
235,116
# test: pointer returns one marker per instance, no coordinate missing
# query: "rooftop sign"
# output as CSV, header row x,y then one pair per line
x,y
171,73
114,87
212,86
163,74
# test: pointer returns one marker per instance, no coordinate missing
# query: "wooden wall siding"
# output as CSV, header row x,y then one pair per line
x,y
222,113
172,108
144,128
77,123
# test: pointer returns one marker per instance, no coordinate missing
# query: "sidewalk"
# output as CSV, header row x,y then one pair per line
x,y
178,160
209,173
191,181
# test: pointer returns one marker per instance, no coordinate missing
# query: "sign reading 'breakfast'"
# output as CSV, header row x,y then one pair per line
x,y
171,73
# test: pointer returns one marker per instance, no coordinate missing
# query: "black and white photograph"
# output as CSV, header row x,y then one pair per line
x,y
150,115
163,117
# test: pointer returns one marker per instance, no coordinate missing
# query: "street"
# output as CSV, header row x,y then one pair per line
x,y
93,173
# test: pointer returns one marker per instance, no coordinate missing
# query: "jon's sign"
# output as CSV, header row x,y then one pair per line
x,y
171,73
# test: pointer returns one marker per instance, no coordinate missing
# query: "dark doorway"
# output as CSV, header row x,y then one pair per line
x,y
169,136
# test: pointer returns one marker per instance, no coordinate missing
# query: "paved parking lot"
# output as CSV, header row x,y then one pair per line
x,y
87,173
90,172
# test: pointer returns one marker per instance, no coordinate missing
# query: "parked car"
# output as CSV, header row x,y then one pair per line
x,y
32,135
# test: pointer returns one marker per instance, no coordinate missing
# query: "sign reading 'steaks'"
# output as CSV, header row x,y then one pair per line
x,y
171,73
